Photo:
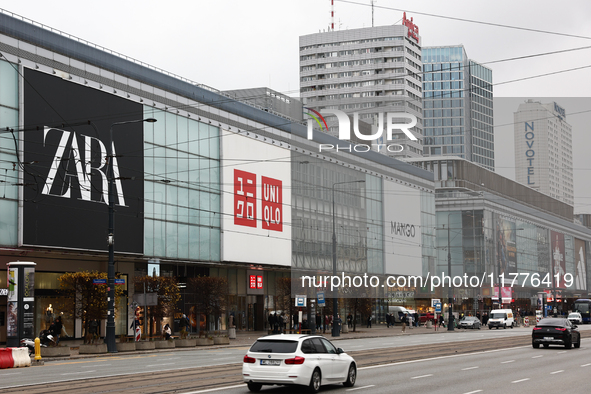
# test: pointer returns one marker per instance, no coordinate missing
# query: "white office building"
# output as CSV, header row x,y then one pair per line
x,y
543,149
366,71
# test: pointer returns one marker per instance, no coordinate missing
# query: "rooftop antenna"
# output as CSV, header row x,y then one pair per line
x,y
332,15
372,3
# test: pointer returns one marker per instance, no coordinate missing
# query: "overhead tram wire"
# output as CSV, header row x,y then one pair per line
x,y
469,20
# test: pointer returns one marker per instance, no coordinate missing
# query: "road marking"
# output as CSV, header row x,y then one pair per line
x,y
473,392
359,388
76,373
442,357
541,355
92,366
469,368
507,362
520,380
585,365
564,351
222,358
422,376
552,373
18,373
217,389
157,365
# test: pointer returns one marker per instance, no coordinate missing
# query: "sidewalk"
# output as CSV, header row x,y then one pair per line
x,y
247,338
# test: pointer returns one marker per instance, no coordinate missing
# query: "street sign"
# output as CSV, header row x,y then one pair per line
x,y
99,281
119,281
300,301
438,307
435,301
320,296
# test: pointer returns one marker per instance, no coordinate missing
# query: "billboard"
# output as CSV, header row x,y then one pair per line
x,y
402,229
506,238
580,265
256,201
66,142
558,262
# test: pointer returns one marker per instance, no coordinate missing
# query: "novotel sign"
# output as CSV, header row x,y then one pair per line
x,y
530,153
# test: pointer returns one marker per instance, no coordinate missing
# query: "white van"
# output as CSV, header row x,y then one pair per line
x,y
398,312
501,318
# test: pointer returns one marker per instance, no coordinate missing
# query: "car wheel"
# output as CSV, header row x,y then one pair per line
x,y
489,327
546,345
254,387
535,345
578,344
504,326
351,376
315,381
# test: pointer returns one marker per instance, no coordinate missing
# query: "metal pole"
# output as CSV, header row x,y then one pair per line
x,y
110,334
450,326
110,337
335,301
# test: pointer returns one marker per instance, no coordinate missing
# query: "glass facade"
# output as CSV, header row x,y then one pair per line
x,y
457,106
182,188
9,168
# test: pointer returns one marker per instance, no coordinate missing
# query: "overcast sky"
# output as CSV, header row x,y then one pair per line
x,y
238,44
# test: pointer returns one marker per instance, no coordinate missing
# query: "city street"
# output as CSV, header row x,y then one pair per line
x,y
437,363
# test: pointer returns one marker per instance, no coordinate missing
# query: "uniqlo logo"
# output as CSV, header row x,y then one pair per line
x,y
259,282
272,204
253,281
245,198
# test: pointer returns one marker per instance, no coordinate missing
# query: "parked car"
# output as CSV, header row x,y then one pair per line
x,y
307,360
575,318
555,331
469,322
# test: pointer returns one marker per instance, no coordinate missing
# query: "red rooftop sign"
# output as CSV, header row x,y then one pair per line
x,y
413,30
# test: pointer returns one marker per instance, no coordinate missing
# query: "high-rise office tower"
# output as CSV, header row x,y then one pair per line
x,y
458,106
366,71
544,149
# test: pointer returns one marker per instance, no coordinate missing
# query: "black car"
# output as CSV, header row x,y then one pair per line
x,y
555,331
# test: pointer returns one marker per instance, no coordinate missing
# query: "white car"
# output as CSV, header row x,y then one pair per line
x,y
575,318
307,360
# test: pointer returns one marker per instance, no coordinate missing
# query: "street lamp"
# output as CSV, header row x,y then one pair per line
x,y
450,325
110,335
335,301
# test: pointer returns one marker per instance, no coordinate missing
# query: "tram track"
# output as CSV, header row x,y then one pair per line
x,y
219,376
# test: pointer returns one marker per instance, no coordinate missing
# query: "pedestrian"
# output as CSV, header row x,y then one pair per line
x,y
416,319
478,315
409,320
93,330
275,323
441,321
350,320
387,320
183,325
403,321
166,332
484,318
56,329
369,321
318,321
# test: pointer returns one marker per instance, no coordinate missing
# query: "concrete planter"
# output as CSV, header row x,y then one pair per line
x,y
126,346
164,344
93,349
58,351
204,342
221,341
145,345
345,329
185,343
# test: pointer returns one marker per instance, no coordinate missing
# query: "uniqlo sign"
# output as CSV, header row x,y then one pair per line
x,y
245,201
256,281
245,198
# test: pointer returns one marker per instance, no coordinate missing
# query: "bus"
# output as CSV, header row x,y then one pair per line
x,y
582,306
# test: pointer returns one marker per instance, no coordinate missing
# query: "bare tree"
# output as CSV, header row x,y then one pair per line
x,y
210,297
168,296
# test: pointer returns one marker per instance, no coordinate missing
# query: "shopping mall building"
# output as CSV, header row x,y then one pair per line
x,y
214,187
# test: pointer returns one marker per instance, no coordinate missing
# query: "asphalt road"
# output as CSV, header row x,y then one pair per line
x,y
512,370
212,367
